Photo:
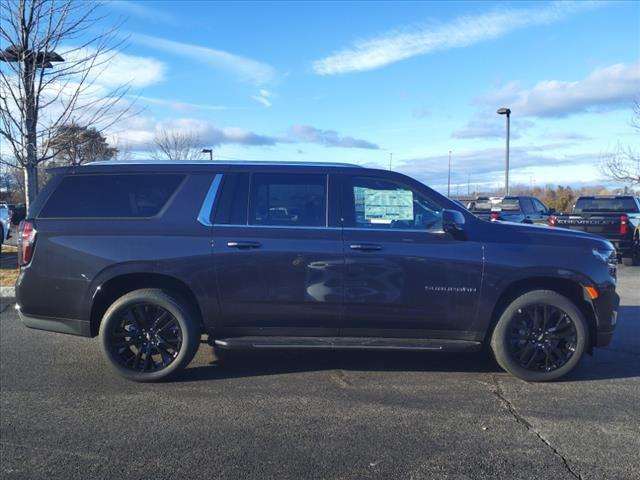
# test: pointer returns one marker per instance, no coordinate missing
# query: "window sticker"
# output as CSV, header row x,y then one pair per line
x,y
383,206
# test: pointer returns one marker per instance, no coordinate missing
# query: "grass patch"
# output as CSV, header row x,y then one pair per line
x,y
8,277
9,270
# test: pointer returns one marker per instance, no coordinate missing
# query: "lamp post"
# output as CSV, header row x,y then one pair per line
x,y
31,61
507,112
449,177
209,151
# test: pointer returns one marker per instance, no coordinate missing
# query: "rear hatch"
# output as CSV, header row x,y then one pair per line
x,y
599,215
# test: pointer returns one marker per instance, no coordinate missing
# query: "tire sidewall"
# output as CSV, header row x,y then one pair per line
x,y
190,333
500,340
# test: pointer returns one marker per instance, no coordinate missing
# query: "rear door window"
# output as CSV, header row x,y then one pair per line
x,y
232,205
295,200
111,196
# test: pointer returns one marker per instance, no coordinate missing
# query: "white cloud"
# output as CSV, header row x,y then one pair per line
x,y
486,166
179,105
406,43
117,68
133,70
139,133
608,87
490,125
328,138
263,97
146,12
246,69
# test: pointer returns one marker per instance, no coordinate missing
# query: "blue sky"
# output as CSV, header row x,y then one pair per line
x,y
356,81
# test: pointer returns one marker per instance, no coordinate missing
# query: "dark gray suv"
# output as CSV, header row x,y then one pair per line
x,y
151,256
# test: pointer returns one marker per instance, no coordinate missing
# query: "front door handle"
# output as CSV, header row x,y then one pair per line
x,y
367,247
243,244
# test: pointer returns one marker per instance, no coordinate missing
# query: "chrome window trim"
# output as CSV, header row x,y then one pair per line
x,y
204,216
405,230
292,227
402,230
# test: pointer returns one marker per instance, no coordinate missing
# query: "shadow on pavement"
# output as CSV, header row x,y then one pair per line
x,y
621,359
249,364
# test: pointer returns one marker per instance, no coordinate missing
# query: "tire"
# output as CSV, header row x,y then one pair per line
x,y
143,349
527,355
634,259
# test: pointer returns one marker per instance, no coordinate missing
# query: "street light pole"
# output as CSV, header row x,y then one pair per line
x,y
209,151
449,177
507,112
30,61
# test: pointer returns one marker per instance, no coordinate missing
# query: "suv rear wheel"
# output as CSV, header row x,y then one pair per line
x,y
541,336
148,335
634,259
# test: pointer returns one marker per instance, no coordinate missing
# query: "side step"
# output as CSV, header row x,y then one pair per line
x,y
346,343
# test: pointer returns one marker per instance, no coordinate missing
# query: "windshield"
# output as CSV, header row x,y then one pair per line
x,y
606,204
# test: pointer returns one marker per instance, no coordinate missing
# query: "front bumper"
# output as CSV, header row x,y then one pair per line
x,y
61,325
605,308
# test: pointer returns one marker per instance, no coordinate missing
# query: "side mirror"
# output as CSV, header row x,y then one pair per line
x,y
552,211
453,222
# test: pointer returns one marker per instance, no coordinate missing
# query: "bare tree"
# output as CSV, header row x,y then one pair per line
x,y
624,165
177,145
47,77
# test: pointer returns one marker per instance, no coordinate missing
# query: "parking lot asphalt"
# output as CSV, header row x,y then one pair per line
x,y
65,414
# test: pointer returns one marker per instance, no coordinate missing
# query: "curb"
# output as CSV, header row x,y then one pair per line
x,y
7,292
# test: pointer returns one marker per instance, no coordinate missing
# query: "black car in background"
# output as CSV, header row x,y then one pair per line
x,y
152,255
614,217
518,209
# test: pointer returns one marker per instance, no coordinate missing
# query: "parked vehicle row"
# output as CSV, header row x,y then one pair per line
x,y
518,209
149,256
615,217
5,223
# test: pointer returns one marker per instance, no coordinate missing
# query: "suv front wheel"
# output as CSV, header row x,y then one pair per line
x,y
148,335
541,336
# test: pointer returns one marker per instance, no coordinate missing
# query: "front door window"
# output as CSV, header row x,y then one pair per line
x,y
383,204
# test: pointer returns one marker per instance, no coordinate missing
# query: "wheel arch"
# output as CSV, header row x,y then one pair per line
x,y
570,288
121,284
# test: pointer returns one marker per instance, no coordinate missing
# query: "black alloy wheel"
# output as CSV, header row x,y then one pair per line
x,y
542,338
146,338
149,334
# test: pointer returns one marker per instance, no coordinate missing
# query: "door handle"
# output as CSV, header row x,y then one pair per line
x,y
367,247
243,244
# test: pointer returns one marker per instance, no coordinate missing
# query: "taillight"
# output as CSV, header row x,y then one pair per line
x,y
495,216
553,220
624,224
26,242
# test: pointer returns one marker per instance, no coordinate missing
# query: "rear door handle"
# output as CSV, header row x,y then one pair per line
x,y
367,247
243,244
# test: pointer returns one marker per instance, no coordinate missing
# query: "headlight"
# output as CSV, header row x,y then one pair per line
x,y
609,257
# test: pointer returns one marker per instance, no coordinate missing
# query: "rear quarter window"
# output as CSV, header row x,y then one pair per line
x,y
111,196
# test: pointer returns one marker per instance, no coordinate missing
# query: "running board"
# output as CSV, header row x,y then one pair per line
x,y
346,343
